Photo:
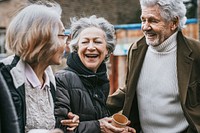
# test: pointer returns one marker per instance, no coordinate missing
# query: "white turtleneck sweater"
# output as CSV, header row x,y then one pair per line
x,y
157,90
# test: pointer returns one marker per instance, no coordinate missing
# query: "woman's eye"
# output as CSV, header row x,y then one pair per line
x,y
97,42
84,42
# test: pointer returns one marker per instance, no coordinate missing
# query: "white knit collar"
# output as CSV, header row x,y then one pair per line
x,y
167,45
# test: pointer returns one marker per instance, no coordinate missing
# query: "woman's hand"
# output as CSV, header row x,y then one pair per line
x,y
129,130
72,122
107,127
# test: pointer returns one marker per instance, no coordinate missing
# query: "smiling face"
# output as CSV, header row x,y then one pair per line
x,y
154,27
92,47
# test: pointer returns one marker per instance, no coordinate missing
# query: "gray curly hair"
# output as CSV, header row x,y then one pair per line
x,y
93,21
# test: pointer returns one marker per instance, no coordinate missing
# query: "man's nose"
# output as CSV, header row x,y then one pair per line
x,y
146,26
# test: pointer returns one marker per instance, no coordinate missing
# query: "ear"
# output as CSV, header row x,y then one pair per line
x,y
76,48
175,23
107,54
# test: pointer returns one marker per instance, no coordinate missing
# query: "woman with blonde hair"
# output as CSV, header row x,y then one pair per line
x,y
36,37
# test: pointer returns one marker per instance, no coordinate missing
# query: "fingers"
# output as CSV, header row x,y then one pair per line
x,y
69,122
129,130
107,127
70,128
111,129
109,119
72,122
74,117
70,125
115,129
70,115
106,119
129,122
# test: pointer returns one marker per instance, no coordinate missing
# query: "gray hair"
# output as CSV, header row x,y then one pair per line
x,y
169,9
32,34
79,25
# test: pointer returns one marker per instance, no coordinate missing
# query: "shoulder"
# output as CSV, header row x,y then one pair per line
x,y
193,44
15,67
67,78
138,43
193,41
65,73
8,60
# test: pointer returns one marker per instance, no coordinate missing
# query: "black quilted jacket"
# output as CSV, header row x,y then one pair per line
x,y
17,90
82,92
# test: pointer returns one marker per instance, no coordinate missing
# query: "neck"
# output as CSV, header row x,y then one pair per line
x,y
39,71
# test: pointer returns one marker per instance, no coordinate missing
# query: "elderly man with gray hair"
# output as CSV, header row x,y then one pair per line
x,y
162,90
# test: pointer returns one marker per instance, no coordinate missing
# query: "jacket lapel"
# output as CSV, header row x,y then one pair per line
x,y
184,66
136,56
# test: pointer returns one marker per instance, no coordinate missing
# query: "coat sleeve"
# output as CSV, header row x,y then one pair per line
x,y
88,127
115,101
63,106
8,116
62,100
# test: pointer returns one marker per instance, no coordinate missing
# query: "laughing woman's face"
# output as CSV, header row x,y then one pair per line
x,y
92,47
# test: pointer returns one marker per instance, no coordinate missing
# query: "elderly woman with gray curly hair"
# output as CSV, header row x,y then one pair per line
x,y
83,86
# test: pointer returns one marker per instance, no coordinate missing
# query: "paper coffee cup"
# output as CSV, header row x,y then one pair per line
x,y
119,120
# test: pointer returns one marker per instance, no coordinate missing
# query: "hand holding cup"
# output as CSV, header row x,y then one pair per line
x,y
119,120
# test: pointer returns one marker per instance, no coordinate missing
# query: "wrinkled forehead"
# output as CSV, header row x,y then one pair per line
x,y
150,11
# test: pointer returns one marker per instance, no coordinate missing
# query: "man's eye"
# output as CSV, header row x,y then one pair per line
x,y
154,21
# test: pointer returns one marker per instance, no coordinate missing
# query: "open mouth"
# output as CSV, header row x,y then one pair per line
x,y
150,34
91,55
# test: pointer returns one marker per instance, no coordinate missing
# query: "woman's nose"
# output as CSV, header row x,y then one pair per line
x,y
91,46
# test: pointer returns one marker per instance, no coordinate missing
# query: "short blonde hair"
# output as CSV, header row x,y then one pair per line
x,y
32,34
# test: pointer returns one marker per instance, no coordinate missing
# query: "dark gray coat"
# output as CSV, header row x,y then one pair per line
x,y
83,93
13,71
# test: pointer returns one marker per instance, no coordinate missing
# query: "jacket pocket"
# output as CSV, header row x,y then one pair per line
x,y
194,93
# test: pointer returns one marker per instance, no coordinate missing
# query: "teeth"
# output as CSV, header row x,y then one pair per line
x,y
91,56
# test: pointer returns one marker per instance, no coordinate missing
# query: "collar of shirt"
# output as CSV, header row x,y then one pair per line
x,y
33,79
